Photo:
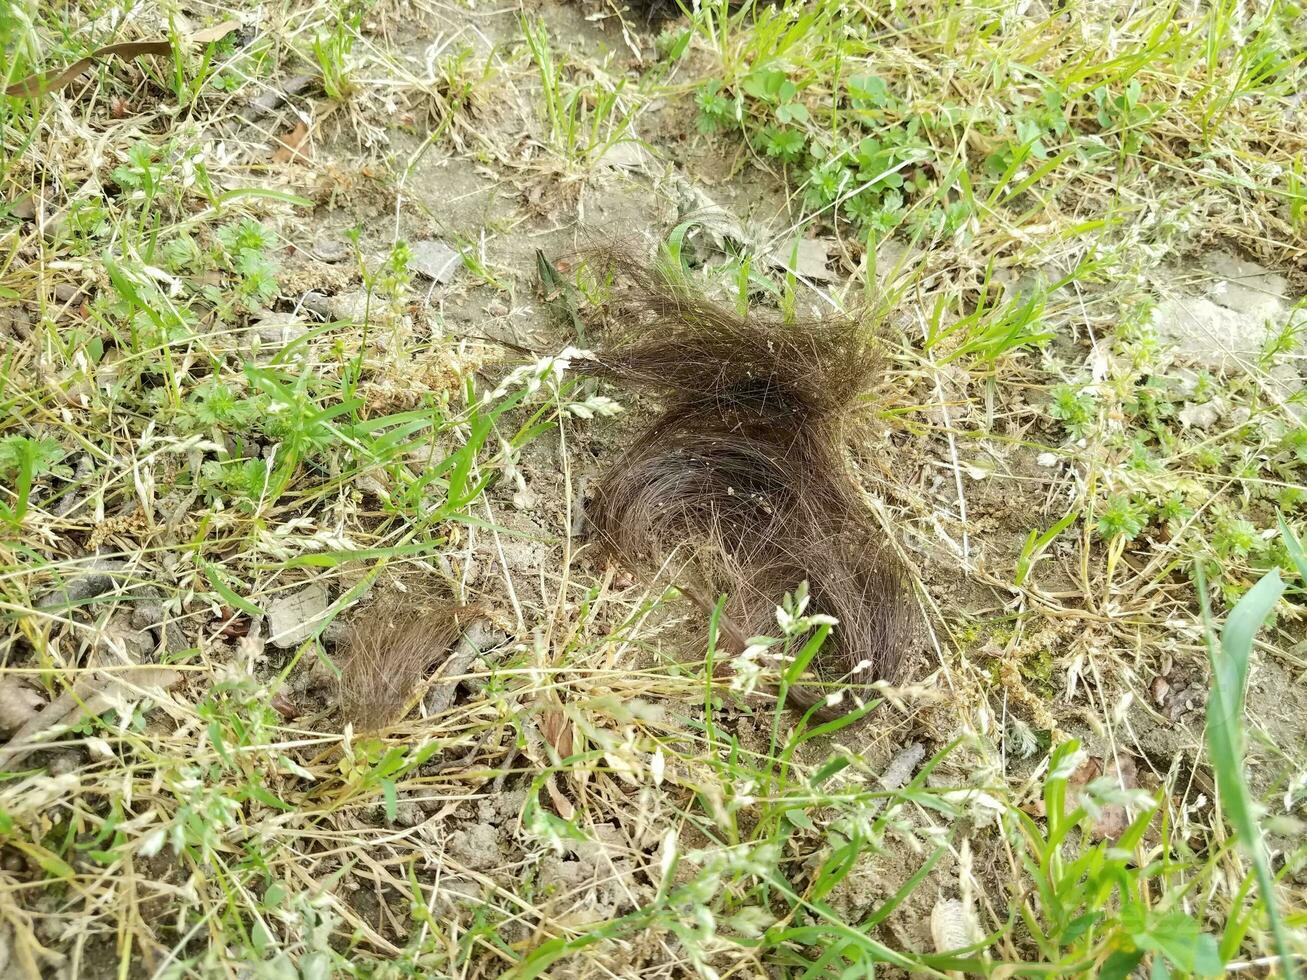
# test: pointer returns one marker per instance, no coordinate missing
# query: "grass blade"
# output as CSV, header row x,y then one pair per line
x,y
1226,738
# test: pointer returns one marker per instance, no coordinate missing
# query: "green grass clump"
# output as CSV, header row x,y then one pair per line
x,y
974,116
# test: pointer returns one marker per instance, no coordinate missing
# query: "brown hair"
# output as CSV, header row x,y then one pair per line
x,y
391,647
746,463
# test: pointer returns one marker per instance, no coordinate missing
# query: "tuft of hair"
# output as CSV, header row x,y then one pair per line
x,y
663,336
390,651
746,463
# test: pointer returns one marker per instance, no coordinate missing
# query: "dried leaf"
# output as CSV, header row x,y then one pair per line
x,y
1085,773
91,695
290,146
624,768
215,33
285,706
1112,819
557,730
24,206
561,802
39,84
233,628
51,81
272,98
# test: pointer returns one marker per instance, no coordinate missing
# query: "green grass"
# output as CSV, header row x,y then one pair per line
x,y
1013,198
585,109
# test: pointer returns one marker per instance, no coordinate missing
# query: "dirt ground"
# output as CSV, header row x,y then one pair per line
x,y
994,665
1212,306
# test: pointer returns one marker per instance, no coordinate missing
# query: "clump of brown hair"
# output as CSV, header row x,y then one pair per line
x,y
746,463
390,650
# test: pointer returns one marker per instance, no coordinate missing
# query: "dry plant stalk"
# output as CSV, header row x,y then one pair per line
x,y
746,463
390,650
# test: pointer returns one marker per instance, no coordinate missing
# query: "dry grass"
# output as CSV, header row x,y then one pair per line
x,y
225,386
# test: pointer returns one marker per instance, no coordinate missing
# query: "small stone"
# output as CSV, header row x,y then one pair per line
x,y
274,97
1184,381
351,307
331,250
408,814
1246,287
15,322
435,260
369,484
147,615
295,616
1047,460
67,293
18,704
1225,327
478,676
476,846
335,634
459,893
284,706
1204,416
64,761
319,304
23,207
280,328
1160,689
140,645
810,258
626,155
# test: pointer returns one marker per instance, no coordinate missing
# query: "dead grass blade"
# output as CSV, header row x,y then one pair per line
x,y
42,83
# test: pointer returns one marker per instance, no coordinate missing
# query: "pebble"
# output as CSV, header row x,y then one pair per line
x,y
280,328
435,260
330,250
294,616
